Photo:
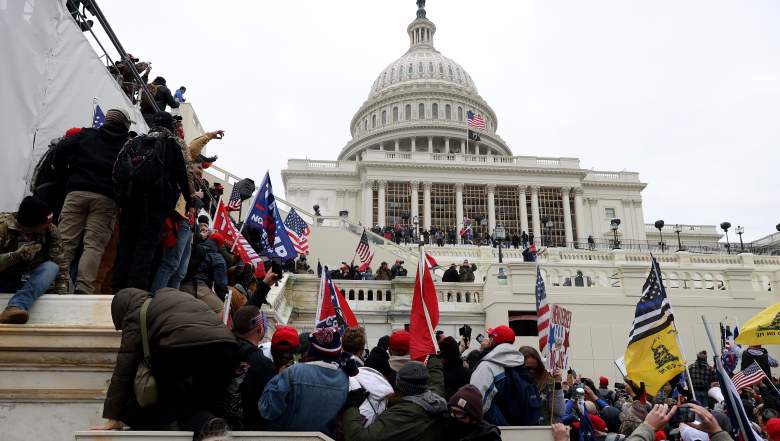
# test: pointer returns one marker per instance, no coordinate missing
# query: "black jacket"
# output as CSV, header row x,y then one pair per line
x,y
85,161
482,431
455,377
451,275
760,356
260,372
212,269
162,97
379,360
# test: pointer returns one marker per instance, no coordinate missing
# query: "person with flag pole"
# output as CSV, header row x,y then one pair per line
x,y
653,355
742,430
363,252
425,312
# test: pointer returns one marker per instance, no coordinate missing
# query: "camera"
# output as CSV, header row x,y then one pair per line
x,y
684,414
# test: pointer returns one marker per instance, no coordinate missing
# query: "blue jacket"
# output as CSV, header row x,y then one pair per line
x,y
213,269
305,397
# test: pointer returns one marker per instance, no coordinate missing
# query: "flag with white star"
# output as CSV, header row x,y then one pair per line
x,y
98,118
653,312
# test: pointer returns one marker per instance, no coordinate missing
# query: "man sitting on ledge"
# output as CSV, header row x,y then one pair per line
x,y
31,258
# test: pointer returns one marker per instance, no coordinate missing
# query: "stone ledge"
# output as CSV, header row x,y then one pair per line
x,y
51,395
171,436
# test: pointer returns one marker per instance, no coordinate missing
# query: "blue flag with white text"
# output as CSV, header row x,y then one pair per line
x,y
264,217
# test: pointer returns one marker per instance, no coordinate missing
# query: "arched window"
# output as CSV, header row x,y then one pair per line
x,y
421,111
361,295
370,294
373,121
441,69
395,114
450,71
460,113
447,112
410,69
435,111
408,112
384,117
392,74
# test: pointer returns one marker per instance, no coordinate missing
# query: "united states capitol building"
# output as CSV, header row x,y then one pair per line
x,y
409,160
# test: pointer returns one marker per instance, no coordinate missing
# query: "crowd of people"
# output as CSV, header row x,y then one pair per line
x,y
405,234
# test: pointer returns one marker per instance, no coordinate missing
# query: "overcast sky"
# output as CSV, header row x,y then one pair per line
x,y
687,93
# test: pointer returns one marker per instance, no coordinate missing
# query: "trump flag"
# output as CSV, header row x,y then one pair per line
x,y
264,216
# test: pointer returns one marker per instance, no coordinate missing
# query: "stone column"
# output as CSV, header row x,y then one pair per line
x,y
396,146
523,209
368,204
381,197
341,198
447,145
414,144
491,194
430,144
536,221
463,147
567,216
414,209
427,205
458,208
579,216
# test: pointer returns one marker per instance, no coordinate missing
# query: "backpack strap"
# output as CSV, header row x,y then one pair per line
x,y
145,331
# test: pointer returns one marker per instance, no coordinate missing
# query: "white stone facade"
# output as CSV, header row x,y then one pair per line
x,y
409,139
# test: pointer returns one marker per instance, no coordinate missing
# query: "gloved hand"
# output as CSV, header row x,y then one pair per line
x,y
28,251
356,397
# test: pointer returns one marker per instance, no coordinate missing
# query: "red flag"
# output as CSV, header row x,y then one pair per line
x,y
432,263
424,317
248,255
333,309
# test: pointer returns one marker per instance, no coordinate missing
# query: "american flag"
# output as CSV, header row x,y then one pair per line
x,y
234,204
475,121
298,230
740,424
542,314
749,376
364,252
98,118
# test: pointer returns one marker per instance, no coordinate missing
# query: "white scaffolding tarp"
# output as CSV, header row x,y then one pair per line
x,y
49,77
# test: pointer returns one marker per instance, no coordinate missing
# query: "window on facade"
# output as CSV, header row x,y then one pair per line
x,y
365,125
384,117
373,121
398,196
609,213
447,112
443,206
474,207
435,111
375,204
508,209
441,69
460,113
410,69
450,69
523,323
420,67
430,67
551,207
395,114
421,111
408,112
392,74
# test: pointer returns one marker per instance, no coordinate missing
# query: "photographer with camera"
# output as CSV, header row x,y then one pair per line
x,y
398,270
681,417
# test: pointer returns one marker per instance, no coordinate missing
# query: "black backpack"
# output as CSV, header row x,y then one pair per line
x,y
140,169
517,399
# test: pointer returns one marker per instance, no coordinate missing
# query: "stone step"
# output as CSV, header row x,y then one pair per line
x,y
182,436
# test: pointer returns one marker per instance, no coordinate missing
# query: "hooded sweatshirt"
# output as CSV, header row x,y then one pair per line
x,y
377,387
491,368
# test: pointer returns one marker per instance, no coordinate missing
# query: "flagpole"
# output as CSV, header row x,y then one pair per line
x,y
92,117
241,230
319,296
420,272
688,378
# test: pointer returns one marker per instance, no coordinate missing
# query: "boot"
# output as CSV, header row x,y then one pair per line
x,y
14,315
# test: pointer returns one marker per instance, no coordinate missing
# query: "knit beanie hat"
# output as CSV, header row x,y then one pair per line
x,y
468,399
325,344
163,119
412,378
33,212
118,116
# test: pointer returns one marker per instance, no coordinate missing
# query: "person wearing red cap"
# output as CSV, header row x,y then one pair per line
x,y
284,347
499,356
773,429
399,353
208,268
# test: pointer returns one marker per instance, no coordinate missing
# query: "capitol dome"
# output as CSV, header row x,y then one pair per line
x,y
419,103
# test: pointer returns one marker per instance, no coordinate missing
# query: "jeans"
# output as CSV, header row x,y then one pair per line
x,y
28,292
173,265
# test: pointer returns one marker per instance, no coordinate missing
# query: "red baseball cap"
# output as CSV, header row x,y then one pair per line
x,y
285,338
595,421
502,334
773,429
218,238
399,342
660,435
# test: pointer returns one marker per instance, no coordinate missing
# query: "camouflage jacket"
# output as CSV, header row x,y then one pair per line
x,y
12,237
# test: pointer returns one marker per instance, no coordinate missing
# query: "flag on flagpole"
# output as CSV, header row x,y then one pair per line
x,y
264,216
542,315
224,224
424,317
475,121
98,118
332,308
364,252
234,203
747,377
740,424
653,354
298,230
432,263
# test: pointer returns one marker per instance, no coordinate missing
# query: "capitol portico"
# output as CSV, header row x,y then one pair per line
x,y
410,159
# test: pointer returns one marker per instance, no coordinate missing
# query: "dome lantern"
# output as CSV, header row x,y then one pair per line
x,y
421,30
